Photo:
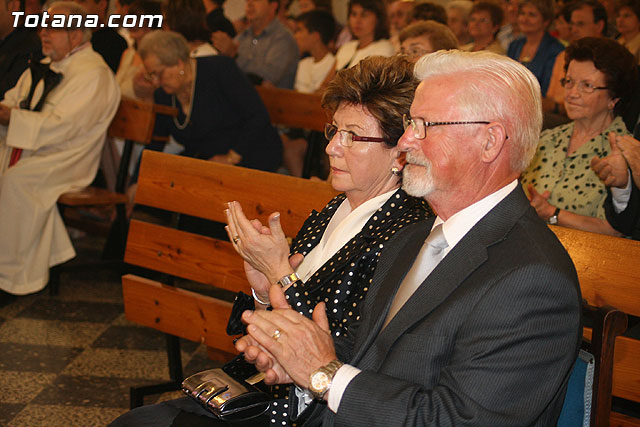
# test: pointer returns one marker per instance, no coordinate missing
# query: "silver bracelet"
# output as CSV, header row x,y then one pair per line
x,y
255,297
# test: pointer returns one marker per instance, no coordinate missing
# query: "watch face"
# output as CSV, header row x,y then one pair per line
x,y
319,382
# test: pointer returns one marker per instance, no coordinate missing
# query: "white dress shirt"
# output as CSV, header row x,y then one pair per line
x,y
620,196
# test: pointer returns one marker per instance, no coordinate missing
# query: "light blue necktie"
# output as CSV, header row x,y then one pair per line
x,y
428,258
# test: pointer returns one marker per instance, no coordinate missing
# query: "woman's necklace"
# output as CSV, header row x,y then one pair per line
x,y
529,52
173,102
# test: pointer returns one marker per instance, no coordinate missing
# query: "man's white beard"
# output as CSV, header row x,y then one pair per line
x,y
417,179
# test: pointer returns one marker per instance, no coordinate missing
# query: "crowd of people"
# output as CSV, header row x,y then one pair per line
x,y
435,142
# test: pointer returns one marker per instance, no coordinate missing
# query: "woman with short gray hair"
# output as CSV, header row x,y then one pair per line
x,y
221,116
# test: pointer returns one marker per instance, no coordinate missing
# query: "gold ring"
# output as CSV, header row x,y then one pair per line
x,y
236,239
276,334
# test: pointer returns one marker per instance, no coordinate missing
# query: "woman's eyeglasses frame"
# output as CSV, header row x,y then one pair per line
x,y
347,137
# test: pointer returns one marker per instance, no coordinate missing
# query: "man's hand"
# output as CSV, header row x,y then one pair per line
x,y
539,202
5,115
613,170
630,148
263,360
224,44
303,345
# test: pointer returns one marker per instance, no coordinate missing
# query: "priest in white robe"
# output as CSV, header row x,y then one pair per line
x,y
61,147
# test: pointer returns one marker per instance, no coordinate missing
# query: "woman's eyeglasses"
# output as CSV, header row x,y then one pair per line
x,y
583,87
347,137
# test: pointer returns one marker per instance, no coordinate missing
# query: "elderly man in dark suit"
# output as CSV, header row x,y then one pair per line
x,y
479,324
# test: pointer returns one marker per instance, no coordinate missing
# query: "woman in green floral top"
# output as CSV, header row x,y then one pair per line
x,y
599,76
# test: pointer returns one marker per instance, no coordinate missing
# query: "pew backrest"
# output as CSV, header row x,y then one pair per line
x,y
186,186
609,273
293,109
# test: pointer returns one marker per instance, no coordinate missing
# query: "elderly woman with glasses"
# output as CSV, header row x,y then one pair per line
x,y
424,37
564,190
221,117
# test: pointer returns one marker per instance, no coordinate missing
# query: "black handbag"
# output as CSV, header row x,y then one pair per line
x,y
228,398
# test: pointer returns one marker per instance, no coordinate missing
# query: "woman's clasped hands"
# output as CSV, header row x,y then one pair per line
x,y
264,249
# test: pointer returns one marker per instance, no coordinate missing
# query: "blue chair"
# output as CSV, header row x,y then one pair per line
x,y
588,399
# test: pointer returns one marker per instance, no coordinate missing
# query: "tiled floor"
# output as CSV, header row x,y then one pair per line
x,y
69,360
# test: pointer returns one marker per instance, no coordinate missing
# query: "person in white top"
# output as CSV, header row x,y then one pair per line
x,y
131,68
61,145
314,32
490,329
369,26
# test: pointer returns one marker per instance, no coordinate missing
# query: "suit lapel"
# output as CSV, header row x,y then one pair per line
x,y
469,254
465,258
394,264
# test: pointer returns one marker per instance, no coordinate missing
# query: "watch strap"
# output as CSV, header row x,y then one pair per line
x,y
329,370
553,219
288,280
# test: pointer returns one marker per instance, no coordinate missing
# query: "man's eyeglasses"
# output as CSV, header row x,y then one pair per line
x,y
419,125
583,87
347,137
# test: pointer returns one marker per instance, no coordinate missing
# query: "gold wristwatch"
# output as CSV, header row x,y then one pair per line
x,y
321,379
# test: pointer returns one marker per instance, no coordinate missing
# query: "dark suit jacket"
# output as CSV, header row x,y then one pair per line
x,y
627,221
488,339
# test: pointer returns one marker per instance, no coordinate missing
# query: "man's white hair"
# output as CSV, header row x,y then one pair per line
x,y
493,88
71,8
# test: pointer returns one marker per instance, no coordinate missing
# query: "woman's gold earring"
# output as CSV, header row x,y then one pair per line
x,y
396,171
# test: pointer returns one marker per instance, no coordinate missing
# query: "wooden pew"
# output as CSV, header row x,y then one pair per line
x,y
201,189
293,109
609,275
606,265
